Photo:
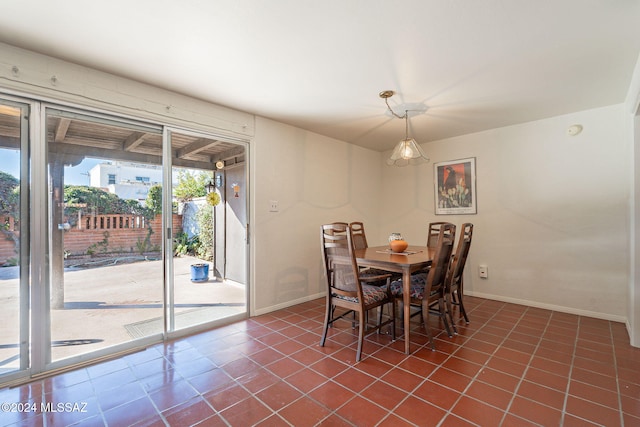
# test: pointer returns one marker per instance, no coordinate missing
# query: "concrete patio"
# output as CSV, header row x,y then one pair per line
x,y
114,304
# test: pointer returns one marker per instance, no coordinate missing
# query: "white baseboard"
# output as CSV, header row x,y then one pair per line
x,y
558,308
528,303
286,304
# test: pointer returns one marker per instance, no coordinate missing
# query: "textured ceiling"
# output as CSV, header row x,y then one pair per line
x,y
465,65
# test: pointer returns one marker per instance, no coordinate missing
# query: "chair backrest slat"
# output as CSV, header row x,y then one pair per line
x,y
441,259
358,235
339,260
434,232
454,275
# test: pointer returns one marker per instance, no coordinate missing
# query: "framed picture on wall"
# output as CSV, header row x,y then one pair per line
x,y
455,187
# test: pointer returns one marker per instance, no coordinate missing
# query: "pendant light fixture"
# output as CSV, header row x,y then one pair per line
x,y
407,152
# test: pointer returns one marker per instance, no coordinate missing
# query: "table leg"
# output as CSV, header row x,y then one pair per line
x,y
406,302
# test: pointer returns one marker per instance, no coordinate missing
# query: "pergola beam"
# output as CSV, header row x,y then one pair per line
x,y
61,129
127,156
195,147
135,139
229,154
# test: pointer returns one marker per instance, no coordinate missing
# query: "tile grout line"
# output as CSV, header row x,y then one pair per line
x,y
615,367
518,326
524,373
448,411
462,393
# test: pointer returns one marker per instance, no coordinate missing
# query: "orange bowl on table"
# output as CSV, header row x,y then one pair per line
x,y
398,245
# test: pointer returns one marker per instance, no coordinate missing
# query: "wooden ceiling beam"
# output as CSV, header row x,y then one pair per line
x,y
133,140
12,142
128,156
61,129
195,147
228,154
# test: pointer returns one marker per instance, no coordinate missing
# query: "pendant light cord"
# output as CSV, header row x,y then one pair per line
x,y
405,117
406,124
386,101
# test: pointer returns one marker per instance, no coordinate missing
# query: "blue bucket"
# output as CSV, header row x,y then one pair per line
x,y
199,272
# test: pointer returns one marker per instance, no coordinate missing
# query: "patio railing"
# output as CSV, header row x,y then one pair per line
x,y
112,222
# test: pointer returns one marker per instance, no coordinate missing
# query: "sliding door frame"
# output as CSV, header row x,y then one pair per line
x,y
27,131
35,248
167,209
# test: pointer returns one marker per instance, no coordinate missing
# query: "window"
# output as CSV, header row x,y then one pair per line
x,y
112,178
144,179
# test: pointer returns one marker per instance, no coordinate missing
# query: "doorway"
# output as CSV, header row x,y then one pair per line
x,y
208,228
93,210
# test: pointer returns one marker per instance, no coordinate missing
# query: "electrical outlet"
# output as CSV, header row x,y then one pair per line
x,y
273,206
483,271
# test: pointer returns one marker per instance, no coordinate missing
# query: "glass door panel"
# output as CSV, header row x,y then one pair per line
x,y
106,263
200,291
14,254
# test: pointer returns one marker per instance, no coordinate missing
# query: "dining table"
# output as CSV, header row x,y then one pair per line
x,y
412,259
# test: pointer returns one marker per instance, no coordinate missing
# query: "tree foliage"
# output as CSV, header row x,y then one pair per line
x,y
206,234
154,199
99,202
191,185
9,194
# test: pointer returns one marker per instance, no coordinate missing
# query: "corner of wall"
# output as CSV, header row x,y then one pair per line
x,y
632,100
632,104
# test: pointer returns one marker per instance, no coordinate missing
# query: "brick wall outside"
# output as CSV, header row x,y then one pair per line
x,y
110,238
7,248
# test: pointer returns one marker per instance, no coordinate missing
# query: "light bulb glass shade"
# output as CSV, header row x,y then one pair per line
x,y
407,152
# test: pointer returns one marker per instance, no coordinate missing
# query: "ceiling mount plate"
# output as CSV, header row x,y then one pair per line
x,y
386,94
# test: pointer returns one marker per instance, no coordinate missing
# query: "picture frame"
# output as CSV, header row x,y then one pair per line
x,y
455,187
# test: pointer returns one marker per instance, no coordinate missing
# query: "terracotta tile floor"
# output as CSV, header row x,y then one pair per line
x,y
511,366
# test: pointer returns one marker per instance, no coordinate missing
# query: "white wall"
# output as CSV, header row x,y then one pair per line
x,y
315,180
632,114
553,220
553,211
94,89
633,319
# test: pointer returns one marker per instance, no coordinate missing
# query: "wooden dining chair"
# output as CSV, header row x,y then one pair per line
x,y
454,281
347,289
358,234
360,242
432,237
427,289
434,232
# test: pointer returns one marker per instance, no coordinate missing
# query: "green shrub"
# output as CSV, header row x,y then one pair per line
x,y
183,245
204,217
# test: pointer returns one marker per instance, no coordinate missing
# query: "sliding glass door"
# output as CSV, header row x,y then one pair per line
x,y
115,234
14,238
105,216
201,290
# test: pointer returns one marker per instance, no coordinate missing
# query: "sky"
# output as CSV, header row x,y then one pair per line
x,y
78,175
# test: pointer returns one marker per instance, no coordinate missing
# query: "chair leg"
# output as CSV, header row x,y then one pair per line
x,y
392,317
327,321
361,317
462,310
393,320
443,314
425,319
448,298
